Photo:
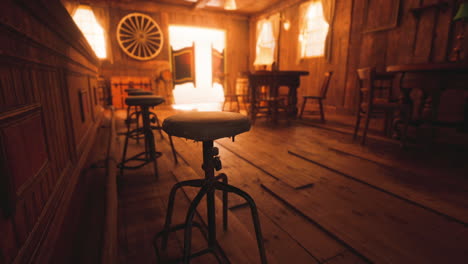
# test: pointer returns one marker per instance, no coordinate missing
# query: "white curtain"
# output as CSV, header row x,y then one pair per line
x,y
103,18
267,40
302,28
328,7
329,15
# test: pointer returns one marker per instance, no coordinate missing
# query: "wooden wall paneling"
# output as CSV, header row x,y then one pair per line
x,y
408,27
354,51
340,54
48,82
288,40
440,51
92,98
39,44
79,102
8,244
423,42
237,39
23,142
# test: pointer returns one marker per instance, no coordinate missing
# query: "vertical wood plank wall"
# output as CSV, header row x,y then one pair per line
x,y
416,39
237,38
48,118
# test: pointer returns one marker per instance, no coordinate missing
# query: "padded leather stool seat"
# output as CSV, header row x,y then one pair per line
x,y
146,100
139,93
203,126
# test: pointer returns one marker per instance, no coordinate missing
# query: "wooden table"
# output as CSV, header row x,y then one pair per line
x,y
422,84
275,79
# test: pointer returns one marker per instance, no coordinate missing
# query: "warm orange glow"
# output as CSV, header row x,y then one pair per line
x,y
91,29
204,96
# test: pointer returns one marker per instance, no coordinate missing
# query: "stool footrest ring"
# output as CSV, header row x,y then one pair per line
x,y
216,249
137,158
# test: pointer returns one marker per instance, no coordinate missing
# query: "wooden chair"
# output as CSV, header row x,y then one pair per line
x,y
269,105
319,98
375,98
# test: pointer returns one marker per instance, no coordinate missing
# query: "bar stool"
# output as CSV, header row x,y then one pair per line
x,y
149,154
134,117
206,127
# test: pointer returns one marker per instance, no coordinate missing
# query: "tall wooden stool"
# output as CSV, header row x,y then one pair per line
x,y
149,154
206,127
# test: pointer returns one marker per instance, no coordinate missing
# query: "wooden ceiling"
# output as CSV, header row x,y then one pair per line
x,y
244,7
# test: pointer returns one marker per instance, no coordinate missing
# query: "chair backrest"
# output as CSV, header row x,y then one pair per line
x,y
325,84
366,87
374,85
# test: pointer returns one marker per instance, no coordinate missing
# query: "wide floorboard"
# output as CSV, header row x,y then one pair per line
x,y
322,198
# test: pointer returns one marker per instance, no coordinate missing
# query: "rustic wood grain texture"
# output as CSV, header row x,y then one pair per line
x,y
41,44
355,221
410,182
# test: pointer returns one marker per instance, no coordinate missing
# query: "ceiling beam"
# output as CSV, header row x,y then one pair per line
x,y
200,4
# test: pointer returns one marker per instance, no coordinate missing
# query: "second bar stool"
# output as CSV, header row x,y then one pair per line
x,y
149,154
207,127
134,117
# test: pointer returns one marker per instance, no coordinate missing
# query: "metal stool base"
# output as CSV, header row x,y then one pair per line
x,y
208,186
216,250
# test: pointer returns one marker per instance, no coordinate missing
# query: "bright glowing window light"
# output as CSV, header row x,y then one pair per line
x,y
91,29
315,32
204,96
265,47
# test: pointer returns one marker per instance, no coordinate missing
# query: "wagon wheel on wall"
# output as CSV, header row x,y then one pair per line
x,y
139,36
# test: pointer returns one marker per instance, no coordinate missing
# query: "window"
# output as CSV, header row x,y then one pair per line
x,y
267,35
265,47
314,30
91,29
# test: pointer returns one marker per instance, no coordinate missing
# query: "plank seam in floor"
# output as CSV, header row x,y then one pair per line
x,y
380,189
314,222
263,170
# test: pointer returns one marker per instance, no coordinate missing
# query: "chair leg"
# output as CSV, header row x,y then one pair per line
x,y
254,212
366,127
224,103
407,117
356,127
303,107
170,207
322,115
238,104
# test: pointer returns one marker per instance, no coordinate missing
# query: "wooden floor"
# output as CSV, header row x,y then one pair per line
x,y
322,198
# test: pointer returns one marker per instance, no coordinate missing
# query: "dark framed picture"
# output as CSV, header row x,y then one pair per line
x,y
381,15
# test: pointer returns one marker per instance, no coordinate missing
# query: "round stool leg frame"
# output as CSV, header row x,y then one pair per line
x,y
208,187
133,117
150,154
